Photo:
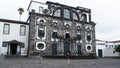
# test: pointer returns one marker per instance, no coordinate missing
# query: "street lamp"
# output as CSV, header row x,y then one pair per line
x,y
21,10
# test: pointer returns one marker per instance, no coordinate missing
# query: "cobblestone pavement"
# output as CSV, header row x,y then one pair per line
x,y
59,63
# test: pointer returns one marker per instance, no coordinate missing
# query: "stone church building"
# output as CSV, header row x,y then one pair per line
x,y
60,30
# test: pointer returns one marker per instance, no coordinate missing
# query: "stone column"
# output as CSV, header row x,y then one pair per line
x,y
83,39
31,33
93,39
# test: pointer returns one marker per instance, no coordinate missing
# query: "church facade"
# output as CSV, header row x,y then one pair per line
x,y
60,30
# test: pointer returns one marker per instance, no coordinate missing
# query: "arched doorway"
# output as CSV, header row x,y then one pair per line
x,y
54,48
79,50
66,48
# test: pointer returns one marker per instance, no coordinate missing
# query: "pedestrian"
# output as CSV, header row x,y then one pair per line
x,y
68,59
40,55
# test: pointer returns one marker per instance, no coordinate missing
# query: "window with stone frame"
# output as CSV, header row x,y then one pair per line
x,y
75,17
106,45
55,24
89,47
22,30
40,46
22,45
79,36
67,36
67,13
57,13
88,29
41,32
88,37
67,26
54,34
79,28
6,29
5,44
42,22
84,17
41,10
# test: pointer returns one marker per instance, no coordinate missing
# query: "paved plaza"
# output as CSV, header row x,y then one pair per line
x,y
59,63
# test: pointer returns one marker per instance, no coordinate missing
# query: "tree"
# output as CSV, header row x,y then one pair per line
x,y
21,10
117,49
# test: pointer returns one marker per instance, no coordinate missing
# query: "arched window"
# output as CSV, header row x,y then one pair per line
x,y
57,13
41,22
54,48
88,37
79,28
54,24
67,26
88,29
84,17
66,13
75,17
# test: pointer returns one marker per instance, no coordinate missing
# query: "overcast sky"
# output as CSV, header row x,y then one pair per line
x,y
105,13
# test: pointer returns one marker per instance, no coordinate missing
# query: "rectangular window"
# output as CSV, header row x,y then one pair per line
x,y
112,45
22,30
67,36
109,46
115,46
55,35
41,10
23,45
41,33
78,37
106,45
6,29
5,44
75,16
57,13
66,13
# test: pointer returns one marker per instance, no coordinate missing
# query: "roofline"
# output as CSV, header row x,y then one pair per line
x,y
113,41
13,21
78,7
108,41
34,2
100,40
29,5
49,2
92,23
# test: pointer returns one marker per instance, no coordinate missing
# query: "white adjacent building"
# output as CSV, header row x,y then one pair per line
x,y
107,48
13,37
